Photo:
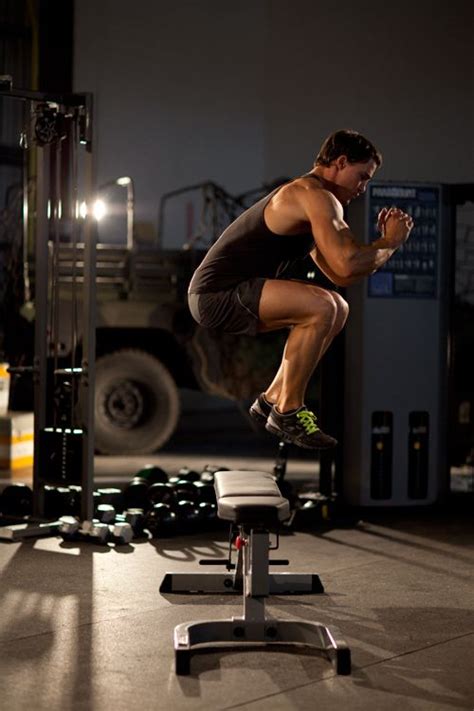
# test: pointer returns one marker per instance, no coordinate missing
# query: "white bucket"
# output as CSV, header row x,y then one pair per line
x,y
4,387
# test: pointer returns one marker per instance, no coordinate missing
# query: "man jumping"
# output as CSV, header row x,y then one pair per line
x,y
237,289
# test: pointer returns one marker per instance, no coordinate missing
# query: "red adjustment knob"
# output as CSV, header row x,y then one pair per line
x,y
239,542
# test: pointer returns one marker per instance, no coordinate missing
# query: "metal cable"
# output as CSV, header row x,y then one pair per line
x,y
72,144
56,204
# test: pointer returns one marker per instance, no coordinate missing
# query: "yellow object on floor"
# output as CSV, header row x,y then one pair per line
x,y
4,388
16,440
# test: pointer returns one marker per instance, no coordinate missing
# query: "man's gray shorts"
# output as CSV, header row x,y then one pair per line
x,y
233,311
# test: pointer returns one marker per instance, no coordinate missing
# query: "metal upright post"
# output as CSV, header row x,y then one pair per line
x,y
41,318
87,382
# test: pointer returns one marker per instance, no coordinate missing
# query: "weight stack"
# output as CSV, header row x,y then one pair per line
x,y
60,455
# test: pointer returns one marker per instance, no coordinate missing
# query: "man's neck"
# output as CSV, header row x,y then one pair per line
x,y
317,172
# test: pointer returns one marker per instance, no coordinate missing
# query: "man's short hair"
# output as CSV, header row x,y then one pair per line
x,y
352,144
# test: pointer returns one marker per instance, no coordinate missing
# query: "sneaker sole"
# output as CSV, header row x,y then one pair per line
x,y
257,417
289,440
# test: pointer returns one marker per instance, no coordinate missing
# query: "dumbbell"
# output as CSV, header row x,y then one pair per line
x,y
185,490
153,474
186,503
205,492
135,518
161,520
135,494
75,500
187,513
94,531
207,513
120,533
207,474
188,499
161,493
106,513
16,500
111,496
187,474
70,529
311,509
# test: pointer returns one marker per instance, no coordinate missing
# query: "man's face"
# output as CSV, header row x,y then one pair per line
x,y
351,179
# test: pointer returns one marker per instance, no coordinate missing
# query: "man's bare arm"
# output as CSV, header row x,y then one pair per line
x,y
337,246
321,263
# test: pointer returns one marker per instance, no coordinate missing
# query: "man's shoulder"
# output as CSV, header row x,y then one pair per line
x,y
307,190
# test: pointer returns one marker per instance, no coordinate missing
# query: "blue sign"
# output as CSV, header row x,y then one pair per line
x,y
412,269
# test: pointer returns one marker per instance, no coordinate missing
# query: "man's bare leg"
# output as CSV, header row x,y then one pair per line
x,y
272,393
316,316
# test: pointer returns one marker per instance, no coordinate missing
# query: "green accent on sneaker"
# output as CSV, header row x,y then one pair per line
x,y
309,421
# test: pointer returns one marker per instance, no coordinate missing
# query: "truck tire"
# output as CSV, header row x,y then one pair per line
x,y
136,403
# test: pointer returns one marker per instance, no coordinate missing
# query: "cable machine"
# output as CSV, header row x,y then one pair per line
x,y
397,355
60,126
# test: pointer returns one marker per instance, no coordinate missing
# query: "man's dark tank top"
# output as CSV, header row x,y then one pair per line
x,y
248,249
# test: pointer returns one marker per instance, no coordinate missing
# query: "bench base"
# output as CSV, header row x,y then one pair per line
x,y
238,631
230,584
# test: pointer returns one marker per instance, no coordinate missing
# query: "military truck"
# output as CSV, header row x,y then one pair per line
x,y
148,346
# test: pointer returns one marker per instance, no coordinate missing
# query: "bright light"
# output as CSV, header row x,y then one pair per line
x,y
124,181
99,210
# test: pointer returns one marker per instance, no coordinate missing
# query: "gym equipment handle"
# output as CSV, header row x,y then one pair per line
x,y
218,561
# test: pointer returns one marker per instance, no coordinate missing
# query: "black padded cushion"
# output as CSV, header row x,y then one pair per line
x,y
250,498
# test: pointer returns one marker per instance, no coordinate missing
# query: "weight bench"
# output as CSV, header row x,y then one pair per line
x,y
252,502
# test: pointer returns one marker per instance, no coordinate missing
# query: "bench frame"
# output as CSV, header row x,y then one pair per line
x,y
251,576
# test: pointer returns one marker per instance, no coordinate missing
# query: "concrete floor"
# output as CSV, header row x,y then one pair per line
x,y
84,627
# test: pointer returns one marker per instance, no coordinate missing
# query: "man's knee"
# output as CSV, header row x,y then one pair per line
x,y
342,310
324,310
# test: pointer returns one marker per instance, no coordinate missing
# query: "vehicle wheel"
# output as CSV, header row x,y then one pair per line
x,y
136,403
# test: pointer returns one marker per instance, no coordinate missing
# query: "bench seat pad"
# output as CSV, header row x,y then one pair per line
x,y
250,498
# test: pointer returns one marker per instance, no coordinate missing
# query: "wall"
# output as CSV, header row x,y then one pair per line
x,y
401,73
178,93
241,93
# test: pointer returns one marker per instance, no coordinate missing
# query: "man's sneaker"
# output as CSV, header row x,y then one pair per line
x,y
300,428
260,410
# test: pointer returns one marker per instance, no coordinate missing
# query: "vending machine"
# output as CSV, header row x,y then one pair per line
x,y
395,414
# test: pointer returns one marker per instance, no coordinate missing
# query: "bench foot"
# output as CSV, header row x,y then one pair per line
x,y
227,583
192,637
182,660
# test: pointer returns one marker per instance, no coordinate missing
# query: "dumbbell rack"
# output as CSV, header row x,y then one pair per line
x,y
76,111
